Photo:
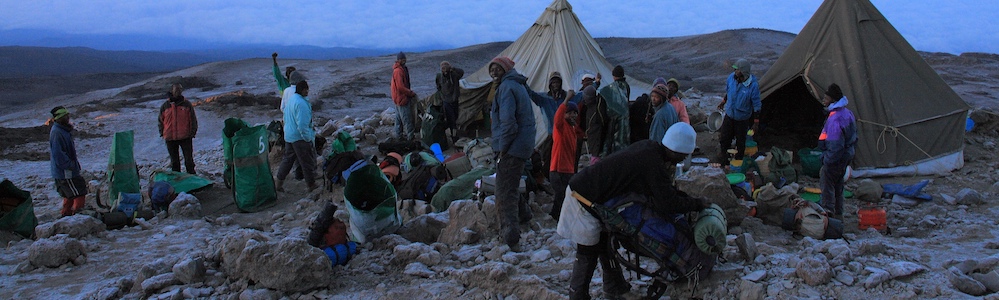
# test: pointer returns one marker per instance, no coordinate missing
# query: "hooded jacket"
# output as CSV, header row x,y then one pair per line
x,y
63,163
177,119
298,120
449,86
513,124
665,117
564,137
743,98
401,94
838,139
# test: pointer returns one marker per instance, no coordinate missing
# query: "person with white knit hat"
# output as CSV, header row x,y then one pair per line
x,y
643,168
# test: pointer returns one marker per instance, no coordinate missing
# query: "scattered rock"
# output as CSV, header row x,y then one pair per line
x,y
418,269
115,290
904,268
185,206
876,277
424,229
328,129
747,246
56,251
467,223
541,255
158,282
749,290
711,183
846,278
403,254
259,294
75,226
190,270
964,283
814,270
755,276
468,253
969,196
990,280
248,254
966,266
431,258
872,248
949,199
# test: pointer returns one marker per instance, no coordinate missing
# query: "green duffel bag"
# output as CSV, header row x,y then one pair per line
x,y
17,213
248,171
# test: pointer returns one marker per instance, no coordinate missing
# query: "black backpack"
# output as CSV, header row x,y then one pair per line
x,y
422,182
334,166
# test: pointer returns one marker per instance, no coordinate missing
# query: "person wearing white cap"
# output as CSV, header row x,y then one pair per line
x,y
642,168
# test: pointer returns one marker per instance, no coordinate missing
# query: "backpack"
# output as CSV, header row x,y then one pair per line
x,y
336,164
399,147
161,194
781,170
480,154
668,239
422,182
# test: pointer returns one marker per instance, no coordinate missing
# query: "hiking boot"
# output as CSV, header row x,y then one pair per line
x,y
279,185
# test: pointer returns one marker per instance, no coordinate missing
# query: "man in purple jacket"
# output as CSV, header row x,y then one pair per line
x,y
837,142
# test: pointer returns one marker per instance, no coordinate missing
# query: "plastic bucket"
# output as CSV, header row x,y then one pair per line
x,y
751,148
715,120
736,166
811,162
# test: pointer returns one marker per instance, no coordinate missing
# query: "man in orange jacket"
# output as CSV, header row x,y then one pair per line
x,y
403,96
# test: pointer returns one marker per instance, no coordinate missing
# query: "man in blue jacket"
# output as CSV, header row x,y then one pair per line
x,y
742,108
837,142
298,137
513,130
64,165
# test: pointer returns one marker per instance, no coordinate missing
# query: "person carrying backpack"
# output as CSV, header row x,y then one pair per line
x,y
642,168
178,127
64,164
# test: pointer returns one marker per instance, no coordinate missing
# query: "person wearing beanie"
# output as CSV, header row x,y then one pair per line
x,y
614,101
643,168
299,136
64,165
178,125
673,88
837,141
565,136
741,104
665,114
513,129
449,88
403,96
618,74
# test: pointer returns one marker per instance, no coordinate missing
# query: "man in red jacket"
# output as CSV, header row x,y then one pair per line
x,y
178,126
403,97
565,134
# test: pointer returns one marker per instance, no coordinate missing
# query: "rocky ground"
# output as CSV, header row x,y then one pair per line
x,y
205,248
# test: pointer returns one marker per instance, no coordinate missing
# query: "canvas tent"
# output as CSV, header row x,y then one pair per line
x,y
556,41
909,120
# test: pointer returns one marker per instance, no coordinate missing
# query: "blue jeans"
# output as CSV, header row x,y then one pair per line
x,y
404,119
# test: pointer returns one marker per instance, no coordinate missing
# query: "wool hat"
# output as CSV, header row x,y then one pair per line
x,y
295,77
834,92
659,81
569,106
554,75
589,76
743,65
618,71
400,56
673,80
680,138
59,112
661,89
504,62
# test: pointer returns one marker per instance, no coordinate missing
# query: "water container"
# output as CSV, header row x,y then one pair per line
x,y
736,166
751,147
872,217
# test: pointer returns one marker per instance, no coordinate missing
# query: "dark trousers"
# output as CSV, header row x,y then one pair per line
x,y
305,154
451,114
174,147
831,181
559,182
586,262
732,128
508,200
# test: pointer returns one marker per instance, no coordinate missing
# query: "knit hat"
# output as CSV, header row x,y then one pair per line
x,y
743,65
834,92
680,138
400,56
659,81
618,71
555,75
569,106
295,77
59,112
504,62
661,89
673,80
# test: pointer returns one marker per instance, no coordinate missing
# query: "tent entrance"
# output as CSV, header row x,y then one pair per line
x,y
791,118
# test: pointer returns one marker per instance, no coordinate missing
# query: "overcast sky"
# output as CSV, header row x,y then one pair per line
x,y
947,26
